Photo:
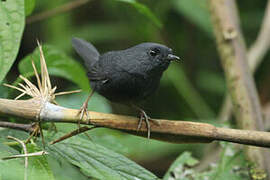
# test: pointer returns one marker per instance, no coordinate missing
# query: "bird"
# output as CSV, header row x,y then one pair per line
x,y
126,76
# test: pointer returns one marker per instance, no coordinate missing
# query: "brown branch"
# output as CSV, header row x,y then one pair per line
x,y
266,113
23,127
73,133
240,83
259,48
52,12
167,130
255,56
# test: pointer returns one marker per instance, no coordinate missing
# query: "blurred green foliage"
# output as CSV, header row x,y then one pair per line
x,y
29,6
232,165
11,28
191,90
58,63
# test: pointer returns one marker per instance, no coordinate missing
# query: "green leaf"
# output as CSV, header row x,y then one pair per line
x,y
3,91
11,28
59,64
70,172
141,8
8,166
232,165
29,6
98,162
196,11
178,170
38,167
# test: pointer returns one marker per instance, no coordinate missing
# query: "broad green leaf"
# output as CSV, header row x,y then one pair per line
x,y
196,11
11,28
59,165
29,6
41,167
98,162
38,167
3,91
59,64
7,167
141,8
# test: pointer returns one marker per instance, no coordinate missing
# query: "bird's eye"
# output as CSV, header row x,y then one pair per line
x,y
154,52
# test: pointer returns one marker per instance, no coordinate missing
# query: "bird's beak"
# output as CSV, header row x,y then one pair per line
x,y
172,57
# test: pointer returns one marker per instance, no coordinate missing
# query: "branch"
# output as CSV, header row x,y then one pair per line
x,y
258,50
255,56
266,113
23,127
167,130
240,83
50,13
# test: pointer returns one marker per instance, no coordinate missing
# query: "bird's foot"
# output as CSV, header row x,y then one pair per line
x,y
83,111
146,118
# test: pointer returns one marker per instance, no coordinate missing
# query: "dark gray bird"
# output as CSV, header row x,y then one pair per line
x,y
126,76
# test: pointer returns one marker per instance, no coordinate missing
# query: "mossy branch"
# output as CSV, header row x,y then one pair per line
x,y
241,85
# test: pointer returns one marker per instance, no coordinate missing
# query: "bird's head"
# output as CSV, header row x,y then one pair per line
x,y
158,55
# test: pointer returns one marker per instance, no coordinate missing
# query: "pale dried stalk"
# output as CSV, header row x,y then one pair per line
x,y
39,153
25,152
44,91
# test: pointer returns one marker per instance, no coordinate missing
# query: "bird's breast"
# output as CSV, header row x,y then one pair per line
x,y
126,87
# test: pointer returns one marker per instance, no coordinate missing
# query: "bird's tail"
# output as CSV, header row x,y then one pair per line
x,y
86,50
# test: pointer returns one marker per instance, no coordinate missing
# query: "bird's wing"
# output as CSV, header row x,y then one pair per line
x,y
96,74
87,51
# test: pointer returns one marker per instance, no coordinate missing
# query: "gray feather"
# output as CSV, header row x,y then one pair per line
x,y
87,51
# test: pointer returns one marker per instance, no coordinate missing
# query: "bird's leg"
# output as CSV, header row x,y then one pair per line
x,y
146,118
83,110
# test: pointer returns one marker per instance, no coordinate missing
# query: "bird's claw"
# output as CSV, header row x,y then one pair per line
x,y
83,111
146,118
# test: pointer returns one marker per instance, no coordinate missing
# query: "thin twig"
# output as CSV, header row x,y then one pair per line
x,y
14,87
67,92
58,10
73,133
36,74
262,44
25,152
23,127
39,153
